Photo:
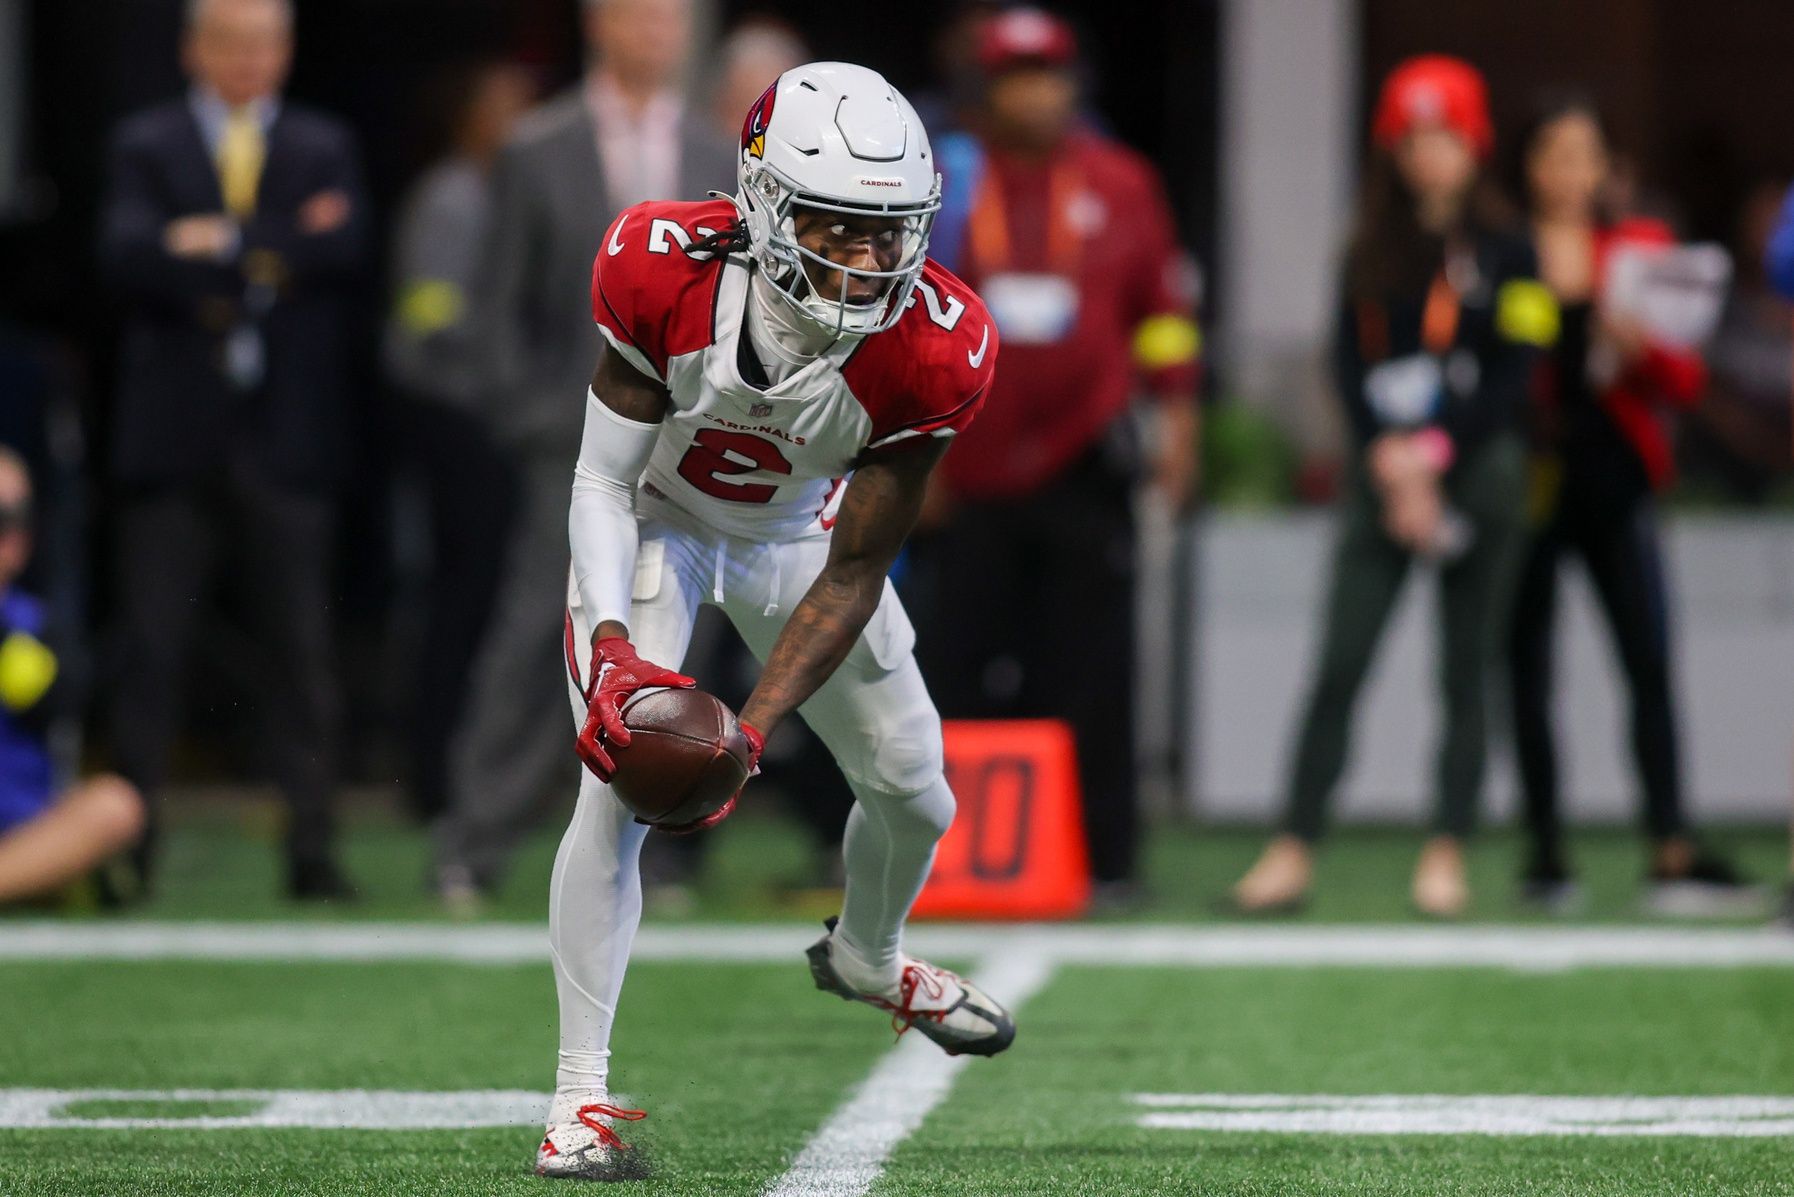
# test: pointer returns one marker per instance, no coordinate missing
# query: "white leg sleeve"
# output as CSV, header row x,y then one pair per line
x,y
882,728
878,722
889,850
595,897
594,905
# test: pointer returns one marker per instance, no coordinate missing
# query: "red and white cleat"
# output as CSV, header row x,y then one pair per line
x,y
958,1016
588,1149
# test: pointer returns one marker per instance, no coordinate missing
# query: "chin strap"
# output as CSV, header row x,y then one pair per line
x,y
731,239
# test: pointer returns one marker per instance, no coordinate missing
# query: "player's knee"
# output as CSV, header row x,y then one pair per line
x,y
114,810
932,810
922,817
909,758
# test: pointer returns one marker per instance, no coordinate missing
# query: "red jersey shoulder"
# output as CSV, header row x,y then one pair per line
x,y
928,373
647,291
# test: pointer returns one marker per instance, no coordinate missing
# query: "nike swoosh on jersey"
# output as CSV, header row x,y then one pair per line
x,y
616,245
977,359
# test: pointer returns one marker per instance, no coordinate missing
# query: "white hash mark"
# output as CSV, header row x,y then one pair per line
x,y
326,1109
1471,1114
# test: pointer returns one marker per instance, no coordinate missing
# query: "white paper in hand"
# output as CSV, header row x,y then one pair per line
x,y
1675,291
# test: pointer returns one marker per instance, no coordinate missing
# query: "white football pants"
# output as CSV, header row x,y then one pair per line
x,y
874,715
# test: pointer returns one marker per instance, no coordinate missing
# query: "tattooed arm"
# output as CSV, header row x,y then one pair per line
x,y
878,509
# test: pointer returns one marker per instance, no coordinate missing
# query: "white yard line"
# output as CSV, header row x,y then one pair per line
x,y
846,1156
1306,946
340,1109
847,1153
1436,1114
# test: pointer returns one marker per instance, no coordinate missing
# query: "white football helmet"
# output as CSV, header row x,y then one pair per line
x,y
837,137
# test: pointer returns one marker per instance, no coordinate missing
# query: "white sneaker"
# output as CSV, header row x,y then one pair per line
x,y
588,1149
958,1016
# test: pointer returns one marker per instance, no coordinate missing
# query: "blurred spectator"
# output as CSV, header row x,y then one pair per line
x,y
1778,264
951,103
1778,256
1436,329
46,842
1598,453
1740,435
431,361
1068,238
621,136
754,53
232,227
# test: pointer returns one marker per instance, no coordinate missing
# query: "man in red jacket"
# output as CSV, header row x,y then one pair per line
x,y
1069,237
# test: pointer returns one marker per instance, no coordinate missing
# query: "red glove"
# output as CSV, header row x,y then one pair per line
x,y
616,674
756,745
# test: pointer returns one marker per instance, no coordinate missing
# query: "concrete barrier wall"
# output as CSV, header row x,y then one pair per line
x,y
1259,580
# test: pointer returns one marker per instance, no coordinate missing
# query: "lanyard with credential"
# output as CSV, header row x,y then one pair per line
x,y
1438,321
989,245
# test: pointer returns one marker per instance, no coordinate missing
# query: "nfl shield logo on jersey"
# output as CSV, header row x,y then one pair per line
x,y
760,410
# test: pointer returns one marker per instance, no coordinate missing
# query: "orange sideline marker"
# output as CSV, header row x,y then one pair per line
x,y
1016,848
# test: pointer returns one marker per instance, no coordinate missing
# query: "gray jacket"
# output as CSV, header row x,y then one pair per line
x,y
535,337
430,348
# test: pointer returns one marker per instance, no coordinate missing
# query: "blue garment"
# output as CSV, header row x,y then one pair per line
x,y
1778,258
27,783
961,161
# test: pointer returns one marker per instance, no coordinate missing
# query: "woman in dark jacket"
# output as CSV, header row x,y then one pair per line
x,y
1438,329
1599,451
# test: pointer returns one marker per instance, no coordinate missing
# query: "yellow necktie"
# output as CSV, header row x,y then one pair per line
x,y
241,152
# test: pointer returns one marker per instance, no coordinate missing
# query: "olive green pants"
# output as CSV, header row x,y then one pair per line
x,y
1475,590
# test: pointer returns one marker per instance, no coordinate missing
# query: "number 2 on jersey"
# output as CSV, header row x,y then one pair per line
x,y
716,453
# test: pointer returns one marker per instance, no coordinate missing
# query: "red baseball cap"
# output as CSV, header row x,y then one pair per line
x,y
1434,89
1025,35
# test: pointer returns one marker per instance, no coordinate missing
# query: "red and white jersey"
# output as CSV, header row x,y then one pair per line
x,y
769,464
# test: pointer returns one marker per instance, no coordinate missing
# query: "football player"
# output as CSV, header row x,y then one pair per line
x,y
783,370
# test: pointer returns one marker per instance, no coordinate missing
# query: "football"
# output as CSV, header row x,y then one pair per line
x,y
686,756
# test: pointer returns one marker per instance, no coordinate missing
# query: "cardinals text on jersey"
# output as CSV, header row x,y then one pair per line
x,y
768,464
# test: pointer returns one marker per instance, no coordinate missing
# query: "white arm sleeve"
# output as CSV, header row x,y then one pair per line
x,y
613,452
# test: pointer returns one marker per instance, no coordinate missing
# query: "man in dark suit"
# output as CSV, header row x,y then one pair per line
x,y
621,136
233,225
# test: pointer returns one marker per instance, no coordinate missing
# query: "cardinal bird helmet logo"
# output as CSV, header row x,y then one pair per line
x,y
753,129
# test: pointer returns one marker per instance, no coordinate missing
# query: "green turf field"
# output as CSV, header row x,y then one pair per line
x,y
739,1063
1123,1080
